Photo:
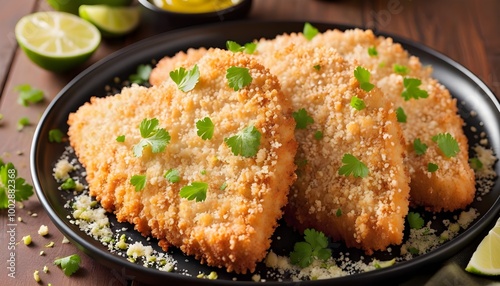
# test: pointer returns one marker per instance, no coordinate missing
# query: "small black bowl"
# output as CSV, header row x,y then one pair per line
x,y
161,20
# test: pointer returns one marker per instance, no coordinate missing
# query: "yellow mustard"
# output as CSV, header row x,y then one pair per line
x,y
194,6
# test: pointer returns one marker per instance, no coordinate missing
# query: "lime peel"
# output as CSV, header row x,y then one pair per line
x,y
485,260
111,21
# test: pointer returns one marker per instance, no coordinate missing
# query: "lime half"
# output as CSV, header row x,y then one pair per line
x,y
111,21
486,259
71,6
57,41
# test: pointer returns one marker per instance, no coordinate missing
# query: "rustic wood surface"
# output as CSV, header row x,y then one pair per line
x,y
464,30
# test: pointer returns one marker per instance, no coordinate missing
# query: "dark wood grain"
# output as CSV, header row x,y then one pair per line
x,y
466,31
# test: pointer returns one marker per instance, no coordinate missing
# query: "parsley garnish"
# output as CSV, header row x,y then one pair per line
x,y
317,67
372,51
172,176
338,213
142,74
205,128
223,186
120,138
400,69
23,121
314,246
238,77
419,147
245,143
309,31
12,188
353,166
447,144
357,103
431,167
415,220
234,47
69,184
185,80
69,264
28,94
139,182
318,135
55,135
194,191
363,77
475,164
412,89
153,136
400,115
302,119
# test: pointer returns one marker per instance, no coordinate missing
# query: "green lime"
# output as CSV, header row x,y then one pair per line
x,y
71,6
111,21
486,259
57,41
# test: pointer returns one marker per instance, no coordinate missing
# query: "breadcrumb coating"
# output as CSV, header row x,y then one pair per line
x,y
232,227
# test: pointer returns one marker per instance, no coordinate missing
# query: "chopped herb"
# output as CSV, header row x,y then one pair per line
x,y
12,188
309,31
415,220
23,121
205,128
194,191
353,166
317,67
338,213
401,115
372,51
142,74
203,172
69,264
413,250
139,182
245,143
120,138
28,95
357,103
234,47
363,77
318,135
475,164
314,246
238,77
55,135
185,80
69,184
223,186
400,69
431,167
302,119
412,89
419,147
153,136
447,144
172,176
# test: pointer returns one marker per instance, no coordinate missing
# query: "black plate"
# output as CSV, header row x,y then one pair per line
x,y
471,93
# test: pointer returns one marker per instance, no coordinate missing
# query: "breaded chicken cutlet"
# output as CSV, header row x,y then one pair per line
x,y
232,226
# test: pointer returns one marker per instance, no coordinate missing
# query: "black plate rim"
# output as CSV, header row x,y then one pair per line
x,y
443,252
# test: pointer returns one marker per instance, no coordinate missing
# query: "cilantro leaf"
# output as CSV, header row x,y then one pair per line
x,y
120,138
412,89
238,77
172,176
142,74
419,147
363,77
234,47
245,143
431,167
314,246
475,164
28,94
23,121
56,135
317,67
69,264
205,128
400,69
153,136
372,51
318,135
302,119
447,144
309,31
12,187
194,191
357,103
338,213
69,184
353,166
400,115
185,80
415,220
301,254
139,182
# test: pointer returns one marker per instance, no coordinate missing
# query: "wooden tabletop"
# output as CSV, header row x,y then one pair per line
x,y
466,31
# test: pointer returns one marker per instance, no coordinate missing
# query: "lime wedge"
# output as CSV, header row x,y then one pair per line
x,y
486,259
71,6
111,21
56,41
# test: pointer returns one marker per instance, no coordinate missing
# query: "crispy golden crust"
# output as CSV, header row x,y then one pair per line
x,y
372,208
233,226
